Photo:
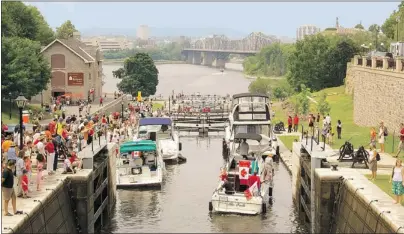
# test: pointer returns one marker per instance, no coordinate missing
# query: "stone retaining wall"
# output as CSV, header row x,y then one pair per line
x,y
378,94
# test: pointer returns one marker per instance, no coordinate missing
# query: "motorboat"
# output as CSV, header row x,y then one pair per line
x,y
139,165
251,114
161,130
231,196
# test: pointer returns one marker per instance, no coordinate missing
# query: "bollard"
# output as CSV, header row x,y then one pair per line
x,y
312,139
99,141
324,145
318,136
92,146
302,132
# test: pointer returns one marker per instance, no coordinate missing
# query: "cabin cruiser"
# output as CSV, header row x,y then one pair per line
x,y
251,114
241,193
161,130
139,164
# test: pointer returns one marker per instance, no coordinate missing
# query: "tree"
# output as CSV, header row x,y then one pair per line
x,y
323,107
374,28
65,30
23,68
139,74
303,100
359,26
120,73
19,20
390,25
261,86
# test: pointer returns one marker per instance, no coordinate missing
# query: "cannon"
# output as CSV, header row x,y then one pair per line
x,y
361,156
279,127
346,151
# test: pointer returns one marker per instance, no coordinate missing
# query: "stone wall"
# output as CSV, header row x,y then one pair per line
x,y
378,93
347,202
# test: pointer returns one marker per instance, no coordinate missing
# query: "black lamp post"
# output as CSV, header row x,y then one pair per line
x,y
122,111
21,101
11,102
41,99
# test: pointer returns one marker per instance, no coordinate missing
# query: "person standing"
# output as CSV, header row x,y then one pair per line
x,y
401,144
101,101
339,128
19,168
50,150
373,137
397,180
296,123
267,177
373,163
290,124
381,136
7,184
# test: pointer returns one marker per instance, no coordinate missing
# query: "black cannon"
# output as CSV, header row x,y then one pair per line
x,y
279,127
361,156
346,152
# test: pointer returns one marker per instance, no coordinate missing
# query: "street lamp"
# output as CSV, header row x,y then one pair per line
x,y
397,22
11,102
122,111
21,101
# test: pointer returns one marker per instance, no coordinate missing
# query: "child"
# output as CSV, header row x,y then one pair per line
x,y
223,175
24,181
40,158
28,167
67,165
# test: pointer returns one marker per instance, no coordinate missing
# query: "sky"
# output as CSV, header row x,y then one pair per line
x,y
275,18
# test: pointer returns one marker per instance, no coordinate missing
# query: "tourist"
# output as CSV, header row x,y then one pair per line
x,y
339,128
40,161
67,165
7,184
296,123
382,130
290,121
25,184
325,123
19,167
328,119
318,118
28,167
12,153
401,144
330,134
74,160
225,150
223,174
244,147
373,136
50,152
52,126
311,121
267,177
397,180
373,163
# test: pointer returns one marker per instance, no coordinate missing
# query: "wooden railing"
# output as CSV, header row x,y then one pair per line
x,y
384,63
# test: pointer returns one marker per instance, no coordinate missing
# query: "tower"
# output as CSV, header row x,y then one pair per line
x,y
337,23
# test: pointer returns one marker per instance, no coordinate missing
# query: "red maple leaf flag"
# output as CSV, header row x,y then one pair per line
x,y
243,170
249,193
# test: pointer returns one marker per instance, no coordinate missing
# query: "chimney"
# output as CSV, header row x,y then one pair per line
x,y
76,35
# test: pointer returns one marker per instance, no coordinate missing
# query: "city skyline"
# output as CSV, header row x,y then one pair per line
x,y
240,17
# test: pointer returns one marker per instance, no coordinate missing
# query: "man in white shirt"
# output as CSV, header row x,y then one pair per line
x,y
244,147
328,119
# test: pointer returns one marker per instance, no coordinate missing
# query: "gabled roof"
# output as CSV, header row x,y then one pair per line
x,y
74,46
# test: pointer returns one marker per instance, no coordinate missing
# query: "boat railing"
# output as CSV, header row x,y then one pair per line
x,y
251,111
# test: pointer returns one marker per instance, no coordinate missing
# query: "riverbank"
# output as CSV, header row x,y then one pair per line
x,y
117,61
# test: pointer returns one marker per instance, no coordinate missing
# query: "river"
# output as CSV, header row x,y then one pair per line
x,y
182,203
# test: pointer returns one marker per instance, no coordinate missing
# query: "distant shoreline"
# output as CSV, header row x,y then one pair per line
x,y
114,61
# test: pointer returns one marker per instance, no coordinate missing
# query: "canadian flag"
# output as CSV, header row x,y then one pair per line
x,y
135,154
92,90
243,171
249,193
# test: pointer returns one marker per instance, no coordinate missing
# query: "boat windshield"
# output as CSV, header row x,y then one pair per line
x,y
163,131
263,129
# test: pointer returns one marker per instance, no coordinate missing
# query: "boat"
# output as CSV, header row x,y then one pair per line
x,y
251,114
230,197
139,165
161,130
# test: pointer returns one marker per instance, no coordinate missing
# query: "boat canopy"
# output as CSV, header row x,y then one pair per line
x,y
142,145
249,136
241,95
155,121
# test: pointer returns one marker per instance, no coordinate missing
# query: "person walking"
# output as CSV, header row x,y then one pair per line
x,y
290,121
401,144
296,123
7,184
397,180
339,129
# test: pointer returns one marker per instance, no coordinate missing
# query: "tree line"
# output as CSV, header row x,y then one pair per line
x,y
24,32
319,61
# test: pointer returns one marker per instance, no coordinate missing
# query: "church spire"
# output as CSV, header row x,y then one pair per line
x,y
337,23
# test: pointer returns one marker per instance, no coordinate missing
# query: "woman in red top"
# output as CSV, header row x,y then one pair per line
x,y
401,144
74,160
295,123
223,175
290,124
50,150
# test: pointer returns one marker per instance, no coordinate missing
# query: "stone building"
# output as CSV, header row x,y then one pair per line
x,y
76,69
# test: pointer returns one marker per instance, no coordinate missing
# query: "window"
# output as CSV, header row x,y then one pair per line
x,y
89,76
58,61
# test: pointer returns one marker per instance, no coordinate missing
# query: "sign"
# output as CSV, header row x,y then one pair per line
x,y
75,79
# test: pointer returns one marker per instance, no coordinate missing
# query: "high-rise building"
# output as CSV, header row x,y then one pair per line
x,y
305,30
143,32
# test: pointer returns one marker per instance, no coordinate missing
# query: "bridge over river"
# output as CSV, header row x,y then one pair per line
x,y
216,50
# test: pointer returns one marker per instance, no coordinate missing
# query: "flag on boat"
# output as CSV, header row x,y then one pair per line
x,y
250,192
135,154
243,171
92,90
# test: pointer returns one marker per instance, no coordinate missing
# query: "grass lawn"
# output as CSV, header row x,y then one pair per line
x,y
341,109
382,181
288,141
15,117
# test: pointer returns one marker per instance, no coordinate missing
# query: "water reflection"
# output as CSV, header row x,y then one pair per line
x,y
182,203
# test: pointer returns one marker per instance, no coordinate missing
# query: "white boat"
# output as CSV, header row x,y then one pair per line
x,y
139,165
161,130
230,197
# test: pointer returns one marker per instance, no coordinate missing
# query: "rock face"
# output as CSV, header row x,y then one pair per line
x,y
378,94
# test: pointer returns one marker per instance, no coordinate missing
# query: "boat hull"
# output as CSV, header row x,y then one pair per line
x,y
236,204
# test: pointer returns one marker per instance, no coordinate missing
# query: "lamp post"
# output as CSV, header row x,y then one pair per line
x,y
122,111
397,22
11,102
41,99
21,101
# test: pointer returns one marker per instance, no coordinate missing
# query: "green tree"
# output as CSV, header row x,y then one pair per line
x,y
261,86
303,100
23,68
394,23
120,73
374,28
20,20
359,26
140,74
323,107
65,30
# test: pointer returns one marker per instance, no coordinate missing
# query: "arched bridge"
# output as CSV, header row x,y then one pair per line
x,y
218,48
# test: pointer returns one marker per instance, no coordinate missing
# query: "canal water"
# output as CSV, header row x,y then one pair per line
x,y
182,203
